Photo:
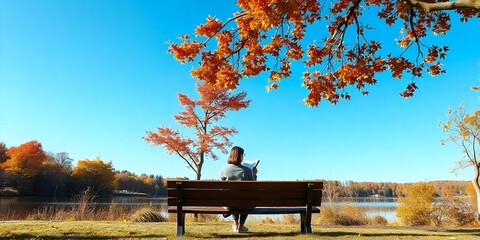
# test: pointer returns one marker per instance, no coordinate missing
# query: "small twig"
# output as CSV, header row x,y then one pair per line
x,y
224,25
412,26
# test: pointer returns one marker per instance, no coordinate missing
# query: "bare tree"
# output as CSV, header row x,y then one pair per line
x,y
464,131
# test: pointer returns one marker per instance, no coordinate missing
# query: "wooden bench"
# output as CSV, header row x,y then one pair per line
x,y
268,197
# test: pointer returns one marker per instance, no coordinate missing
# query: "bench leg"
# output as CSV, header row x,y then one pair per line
x,y
305,223
308,224
302,223
308,229
180,225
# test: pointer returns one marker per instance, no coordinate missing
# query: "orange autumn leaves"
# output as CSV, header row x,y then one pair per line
x,y
25,159
217,67
201,116
268,36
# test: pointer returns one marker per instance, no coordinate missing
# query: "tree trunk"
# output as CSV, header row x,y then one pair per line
x,y
476,185
200,166
199,176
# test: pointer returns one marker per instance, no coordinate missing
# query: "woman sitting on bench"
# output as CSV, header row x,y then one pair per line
x,y
236,171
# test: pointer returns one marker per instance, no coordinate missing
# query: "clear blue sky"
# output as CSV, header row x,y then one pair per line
x,y
90,77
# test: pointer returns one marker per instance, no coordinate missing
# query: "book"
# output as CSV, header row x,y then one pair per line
x,y
251,164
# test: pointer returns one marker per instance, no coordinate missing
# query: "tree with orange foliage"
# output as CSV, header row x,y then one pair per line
x,y
202,116
25,159
268,35
464,131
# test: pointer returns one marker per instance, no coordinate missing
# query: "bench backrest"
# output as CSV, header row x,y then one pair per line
x,y
245,193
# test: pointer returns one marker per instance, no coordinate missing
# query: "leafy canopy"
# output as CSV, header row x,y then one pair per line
x,y
94,174
3,153
202,117
266,36
25,159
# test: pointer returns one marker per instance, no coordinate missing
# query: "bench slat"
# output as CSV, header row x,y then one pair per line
x,y
264,210
251,193
245,193
278,185
243,202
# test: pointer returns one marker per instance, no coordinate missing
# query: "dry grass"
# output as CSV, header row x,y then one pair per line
x,y
86,209
343,215
86,213
216,230
147,215
200,218
378,221
267,220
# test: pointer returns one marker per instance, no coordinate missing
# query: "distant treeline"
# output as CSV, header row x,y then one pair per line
x,y
28,170
335,189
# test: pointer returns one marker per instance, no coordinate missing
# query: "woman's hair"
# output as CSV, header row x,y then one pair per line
x,y
236,155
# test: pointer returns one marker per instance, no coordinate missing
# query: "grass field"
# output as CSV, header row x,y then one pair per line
x,y
216,230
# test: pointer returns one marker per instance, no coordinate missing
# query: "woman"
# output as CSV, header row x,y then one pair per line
x,y
236,171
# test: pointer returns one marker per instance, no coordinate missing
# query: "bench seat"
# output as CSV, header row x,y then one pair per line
x,y
268,197
257,210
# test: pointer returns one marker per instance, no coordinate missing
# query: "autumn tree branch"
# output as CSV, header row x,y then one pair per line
x,y
338,35
224,25
474,157
414,31
439,6
194,168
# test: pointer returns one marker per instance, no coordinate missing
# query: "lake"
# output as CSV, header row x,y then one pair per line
x,y
382,206
20,207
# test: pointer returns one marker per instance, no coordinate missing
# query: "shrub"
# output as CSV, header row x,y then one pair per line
x,y
208,217
351,216
267,220
347,215
460,213
290,219
328,214
201,217
354,212
40,214
416,208
147,215
345,220
37,216
438,213
85,210
378,220
116,212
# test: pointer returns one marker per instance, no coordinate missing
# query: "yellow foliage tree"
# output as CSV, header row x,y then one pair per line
x,y
464,130
149,181
415,208
94,174
470,190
